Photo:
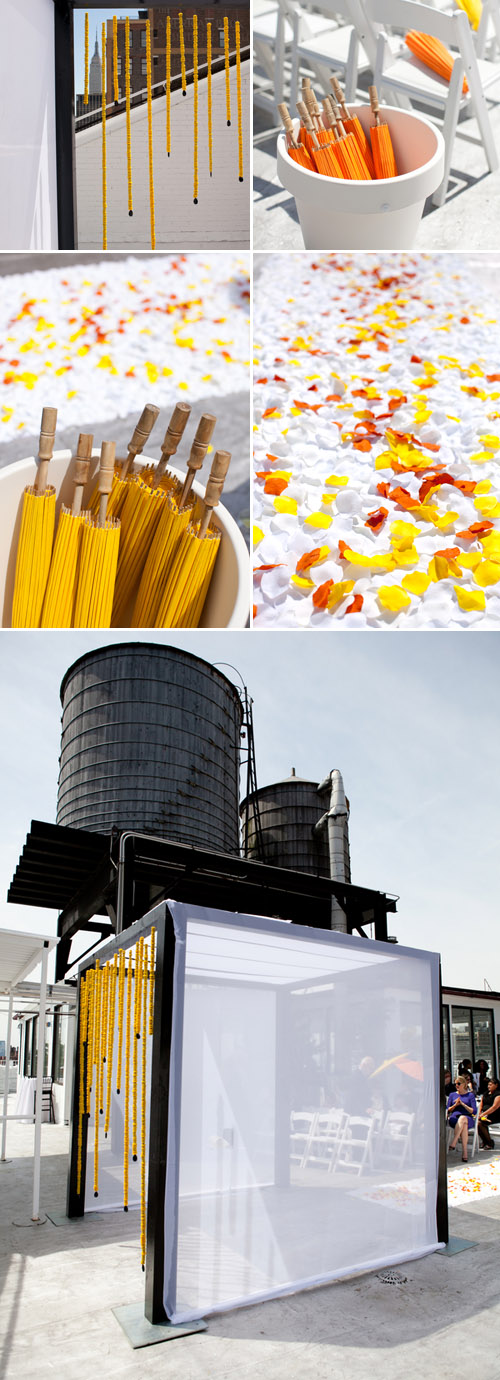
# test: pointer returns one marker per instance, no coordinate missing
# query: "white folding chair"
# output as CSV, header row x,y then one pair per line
x,y
402,73
347,49
272,38
302,1126
326,1138
355,1147
396,1137
473,1131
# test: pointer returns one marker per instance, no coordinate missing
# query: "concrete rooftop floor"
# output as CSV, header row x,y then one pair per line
x,y
59,1285
468,218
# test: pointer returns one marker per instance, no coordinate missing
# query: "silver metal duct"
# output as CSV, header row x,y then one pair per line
x,y
335,822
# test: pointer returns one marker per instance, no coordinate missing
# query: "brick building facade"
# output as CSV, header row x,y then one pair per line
x,y
213,13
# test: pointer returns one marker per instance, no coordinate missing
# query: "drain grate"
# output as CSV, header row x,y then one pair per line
x,y
393,1277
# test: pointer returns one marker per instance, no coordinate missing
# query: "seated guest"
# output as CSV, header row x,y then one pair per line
x,y
449,1085
460,1112
482,1076
489,1113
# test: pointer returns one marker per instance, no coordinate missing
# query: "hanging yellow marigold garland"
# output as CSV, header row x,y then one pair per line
x,y
167,81
228,84
97,1062
116,93
144,1101
127,1085
86,91
127,116
150,135
209,94
195,109
183,54
238,96
151,978
104,168
121,994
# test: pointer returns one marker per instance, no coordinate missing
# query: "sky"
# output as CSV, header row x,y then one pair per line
x,y
96,19
411,720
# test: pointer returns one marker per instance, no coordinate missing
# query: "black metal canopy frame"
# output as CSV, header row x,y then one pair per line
x,y
118,877
65,107
162,1038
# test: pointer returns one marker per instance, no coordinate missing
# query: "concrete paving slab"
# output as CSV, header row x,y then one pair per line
x,y
62,1286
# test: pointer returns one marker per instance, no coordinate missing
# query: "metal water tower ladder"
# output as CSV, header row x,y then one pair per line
x,y
251,786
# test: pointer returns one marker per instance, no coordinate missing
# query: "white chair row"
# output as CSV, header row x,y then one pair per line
x,y
338,1140
355,37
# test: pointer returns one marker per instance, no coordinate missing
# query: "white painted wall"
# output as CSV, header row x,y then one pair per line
x,y
28,204
222,217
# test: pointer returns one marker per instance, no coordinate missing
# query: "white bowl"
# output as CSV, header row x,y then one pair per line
x,y
384,213
228,601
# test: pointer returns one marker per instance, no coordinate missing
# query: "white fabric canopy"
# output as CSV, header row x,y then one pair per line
x,y
304,1109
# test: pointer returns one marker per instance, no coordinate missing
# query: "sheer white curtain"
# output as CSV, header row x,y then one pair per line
x,y
304,1111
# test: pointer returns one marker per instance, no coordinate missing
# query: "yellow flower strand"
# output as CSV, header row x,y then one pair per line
x,y
97,1061
121,993
195,109
90,1036
137,1036
104,164
228,87
183,54
127,116
152,978
127,1085
143,1101
81,1081
116,93
167,83
86,92
113,972
104,1036
238,97
150,135
209,94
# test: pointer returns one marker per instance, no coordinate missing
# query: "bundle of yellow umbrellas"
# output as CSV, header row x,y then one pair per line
x,y
142,552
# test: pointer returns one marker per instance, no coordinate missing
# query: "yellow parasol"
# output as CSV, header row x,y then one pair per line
x,y
124,468
170,444
59,599
140,515
175,516
98,555
37,531
191,565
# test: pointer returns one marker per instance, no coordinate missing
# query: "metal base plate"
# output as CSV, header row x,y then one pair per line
x,y
455,1245
59,1219
140,1332
29,1221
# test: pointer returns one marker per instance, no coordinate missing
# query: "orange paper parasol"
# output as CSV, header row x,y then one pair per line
x,y
433,54
352,125
297,151
383,152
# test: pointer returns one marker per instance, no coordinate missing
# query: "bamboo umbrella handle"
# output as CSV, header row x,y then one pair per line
x,y
214,487
45,447
288,125
105,480
374,104
141,435
307,122
82,467
172,439
204,433
339,96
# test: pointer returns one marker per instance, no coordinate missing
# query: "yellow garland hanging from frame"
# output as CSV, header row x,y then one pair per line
x,y
228,82
195,109
104,168
127,117
238,97
86,90
209,94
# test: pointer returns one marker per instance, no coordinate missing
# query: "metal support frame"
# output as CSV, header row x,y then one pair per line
x,y
65,112
7,1072
35,1214
443,1230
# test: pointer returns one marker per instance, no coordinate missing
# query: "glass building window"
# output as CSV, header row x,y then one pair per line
x,y
34,1046
462,1035
446,1039
144,66
482,1029
60,1043
27,1050
143,38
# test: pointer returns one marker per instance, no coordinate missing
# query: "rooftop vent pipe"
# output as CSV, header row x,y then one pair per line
x,y
336,822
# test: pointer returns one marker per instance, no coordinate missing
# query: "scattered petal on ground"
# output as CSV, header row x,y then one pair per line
x,y
378,408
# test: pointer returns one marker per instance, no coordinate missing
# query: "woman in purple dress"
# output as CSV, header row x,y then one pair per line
x,y
461,1112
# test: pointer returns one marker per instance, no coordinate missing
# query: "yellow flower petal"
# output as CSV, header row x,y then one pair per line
x,y
470,598
392,597
317,519
488,506
339,592
337,480
286,505
469,560
302,582
416,582
487,573
257,535
491,442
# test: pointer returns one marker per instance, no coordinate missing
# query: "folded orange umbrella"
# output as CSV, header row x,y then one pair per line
x,y
359,170
296,150
383,152
433,54
352,125
323,155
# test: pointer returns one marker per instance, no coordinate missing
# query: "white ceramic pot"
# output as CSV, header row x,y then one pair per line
x,y
385,214
228,600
